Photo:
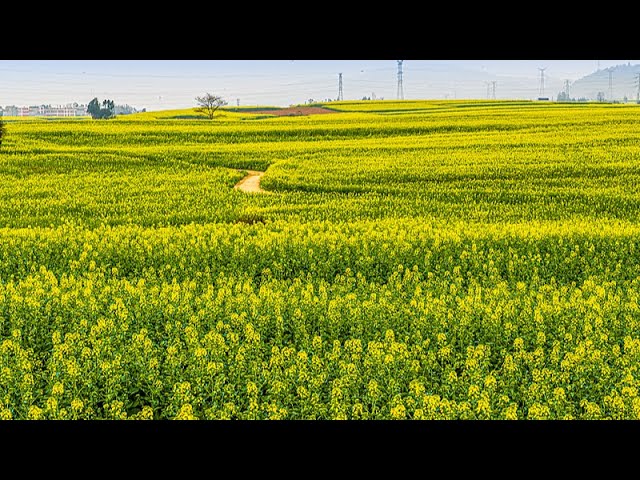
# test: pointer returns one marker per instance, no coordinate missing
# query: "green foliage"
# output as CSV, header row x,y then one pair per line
x,y
97,113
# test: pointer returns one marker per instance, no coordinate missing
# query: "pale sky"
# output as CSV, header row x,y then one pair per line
x,y
172,84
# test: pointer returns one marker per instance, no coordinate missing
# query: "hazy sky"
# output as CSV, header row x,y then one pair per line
x,y
168,84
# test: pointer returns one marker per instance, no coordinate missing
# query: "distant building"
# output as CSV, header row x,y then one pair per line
x,y
58,111
69,110
10,111
74,110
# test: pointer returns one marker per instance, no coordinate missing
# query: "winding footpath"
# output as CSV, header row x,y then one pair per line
x,y
251,183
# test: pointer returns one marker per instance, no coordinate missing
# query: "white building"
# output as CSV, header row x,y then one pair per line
x,y
74,110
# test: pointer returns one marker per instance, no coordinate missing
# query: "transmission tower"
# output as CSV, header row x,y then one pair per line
x,y
340,97
542,81
611,85
400,89
493,87
567,85
638,94
488,84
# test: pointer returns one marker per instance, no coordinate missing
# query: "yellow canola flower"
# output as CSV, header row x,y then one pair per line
x,y
490,382
399,412
538,411
186,413
373,389
511,412
52,404
146,413
35,413
77,405
58,389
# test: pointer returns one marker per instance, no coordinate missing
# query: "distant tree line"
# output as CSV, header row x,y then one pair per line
x,y
600,97
564,97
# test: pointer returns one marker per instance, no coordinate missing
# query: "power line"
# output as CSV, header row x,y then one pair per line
x,y
400,94
340,97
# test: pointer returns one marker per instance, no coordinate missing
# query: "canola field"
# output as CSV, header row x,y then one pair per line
x,y
416,260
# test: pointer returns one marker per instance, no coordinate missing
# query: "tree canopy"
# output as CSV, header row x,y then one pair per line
x,y
106,111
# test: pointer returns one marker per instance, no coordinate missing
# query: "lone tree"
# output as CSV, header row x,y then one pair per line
x,y
208,104
107,110
1,131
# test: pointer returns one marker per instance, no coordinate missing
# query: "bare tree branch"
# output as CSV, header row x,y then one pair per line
x,y
208,104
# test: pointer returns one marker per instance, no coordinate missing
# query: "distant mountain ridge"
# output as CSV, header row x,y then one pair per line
x,y
624,83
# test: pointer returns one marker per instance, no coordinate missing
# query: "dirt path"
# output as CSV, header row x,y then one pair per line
x,y
251,183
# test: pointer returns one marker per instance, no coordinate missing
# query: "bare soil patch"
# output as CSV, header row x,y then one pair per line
x,y
251,183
